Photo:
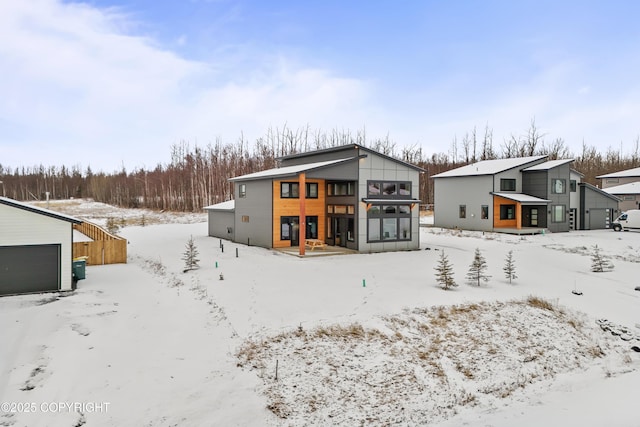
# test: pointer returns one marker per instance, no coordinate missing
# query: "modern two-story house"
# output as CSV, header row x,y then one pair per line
x,y
518,195
348,196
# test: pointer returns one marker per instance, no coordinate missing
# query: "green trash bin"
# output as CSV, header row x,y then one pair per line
x,y
79,266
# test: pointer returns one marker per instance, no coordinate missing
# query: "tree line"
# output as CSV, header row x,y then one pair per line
x,y
198,176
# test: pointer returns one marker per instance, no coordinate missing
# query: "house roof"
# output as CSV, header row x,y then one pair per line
x,y
577,173
599,191
290,170
549,164
629,188
20,205
229,205
348,147
525,199
629,173
489,167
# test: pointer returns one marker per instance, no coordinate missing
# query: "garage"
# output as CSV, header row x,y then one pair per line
x,y
26,269
35,249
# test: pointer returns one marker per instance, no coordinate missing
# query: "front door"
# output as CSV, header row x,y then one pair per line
x,y
340,231
295,232
534,217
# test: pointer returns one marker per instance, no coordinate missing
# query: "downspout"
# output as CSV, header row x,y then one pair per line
x,y
302,189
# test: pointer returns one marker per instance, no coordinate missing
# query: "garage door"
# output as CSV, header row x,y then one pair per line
x,y
599,219
25,269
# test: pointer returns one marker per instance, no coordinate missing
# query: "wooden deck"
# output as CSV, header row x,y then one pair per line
x,y
327,251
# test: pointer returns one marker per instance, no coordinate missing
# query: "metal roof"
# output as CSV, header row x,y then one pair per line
x,y
628,188
290,170
550,164
229,205
489,167
622,174
523,198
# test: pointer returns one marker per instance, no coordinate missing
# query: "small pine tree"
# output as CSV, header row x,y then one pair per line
x,y
190,256
599,263
444,272
477,269
112,225
509,267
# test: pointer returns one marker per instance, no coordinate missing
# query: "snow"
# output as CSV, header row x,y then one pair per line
x,y
358,339
489,167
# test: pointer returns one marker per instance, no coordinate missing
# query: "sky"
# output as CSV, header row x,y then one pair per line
x,y
115,83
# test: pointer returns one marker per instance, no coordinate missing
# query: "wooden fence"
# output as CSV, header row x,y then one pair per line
x,y
105,248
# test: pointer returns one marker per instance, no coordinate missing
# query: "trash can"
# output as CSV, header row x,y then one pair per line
x,y
79,266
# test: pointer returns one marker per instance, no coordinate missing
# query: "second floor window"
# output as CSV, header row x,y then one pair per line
x,y
507,184
291,190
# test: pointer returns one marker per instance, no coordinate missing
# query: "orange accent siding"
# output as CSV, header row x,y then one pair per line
x,y
291,207
506,223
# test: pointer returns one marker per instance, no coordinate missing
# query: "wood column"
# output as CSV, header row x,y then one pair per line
x,y
302,189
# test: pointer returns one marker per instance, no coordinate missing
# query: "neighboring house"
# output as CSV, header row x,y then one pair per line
x,y
618,178
518,195
354,197
35,249
629,195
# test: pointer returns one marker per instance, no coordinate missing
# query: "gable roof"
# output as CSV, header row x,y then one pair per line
x,y
489,167
46,212
629,173
549,164
290,170
352,148
628,188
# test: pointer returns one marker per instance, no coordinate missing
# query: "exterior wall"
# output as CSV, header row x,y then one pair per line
x,y
322,156
560,172
574,199
591,210
506,223
612,182
535,183
256,207
628,201
291,207
20,227
473,192
220,222
374,167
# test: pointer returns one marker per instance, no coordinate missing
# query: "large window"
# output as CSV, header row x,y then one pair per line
x,y
558,186
388,223
389,189
289,227
558,213
291,190
507,211
507,184
572,185
462,211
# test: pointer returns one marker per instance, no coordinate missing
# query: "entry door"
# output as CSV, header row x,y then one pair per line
x,y
340,229
295,232
534,217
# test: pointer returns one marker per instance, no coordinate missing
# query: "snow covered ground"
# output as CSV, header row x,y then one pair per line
x,y
266,338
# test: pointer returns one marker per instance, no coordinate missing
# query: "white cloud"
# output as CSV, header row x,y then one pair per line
x,y
77,89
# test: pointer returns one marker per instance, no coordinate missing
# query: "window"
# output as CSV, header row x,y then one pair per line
x,y
289,227
558,186
628,198
572,185
341,188
290,190
507,184
484,212
612,180
389,189
242,190
245,218
389,222
558,213
462,211
507,211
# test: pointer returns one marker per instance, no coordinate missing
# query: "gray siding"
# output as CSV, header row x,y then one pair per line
x,y
321,157
596,210
347,171
560,172
471,191
258,206
222,224
535,183
374,167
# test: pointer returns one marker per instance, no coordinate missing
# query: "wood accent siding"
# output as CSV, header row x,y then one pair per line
x,y
105,248
506,223
291,207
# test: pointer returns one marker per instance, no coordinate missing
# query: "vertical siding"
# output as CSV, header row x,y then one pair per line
x,y
473,192
21,227
257,206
